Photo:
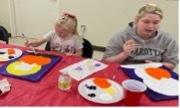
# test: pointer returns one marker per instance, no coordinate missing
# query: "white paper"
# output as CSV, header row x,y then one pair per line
x,y
83,68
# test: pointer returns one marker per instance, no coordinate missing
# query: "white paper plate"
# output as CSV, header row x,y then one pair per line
x,y
109,95
4,56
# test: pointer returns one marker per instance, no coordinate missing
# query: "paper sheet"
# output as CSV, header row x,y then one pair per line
x,y
83,68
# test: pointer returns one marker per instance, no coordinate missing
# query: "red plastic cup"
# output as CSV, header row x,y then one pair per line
x,y
133,91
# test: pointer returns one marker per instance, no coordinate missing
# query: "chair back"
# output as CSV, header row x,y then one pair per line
x,y
47,47
87,49
4,34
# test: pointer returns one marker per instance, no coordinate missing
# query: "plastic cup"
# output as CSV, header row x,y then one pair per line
x,y
133,91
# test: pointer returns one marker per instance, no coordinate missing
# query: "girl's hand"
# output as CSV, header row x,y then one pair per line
x,y
27,43
69,54
148,61
129,46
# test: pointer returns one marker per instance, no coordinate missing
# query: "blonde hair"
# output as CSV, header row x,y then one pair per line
x,y
69,22
149,8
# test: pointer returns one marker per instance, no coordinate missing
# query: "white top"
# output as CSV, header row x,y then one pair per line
x,y
71,45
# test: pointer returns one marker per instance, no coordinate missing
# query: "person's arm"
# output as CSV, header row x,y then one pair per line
x,y
35,43
45,38
127,48
117,58
169,65
78,52
170,55
78,46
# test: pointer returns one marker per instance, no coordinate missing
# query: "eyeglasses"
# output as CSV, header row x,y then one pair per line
x,y
70,15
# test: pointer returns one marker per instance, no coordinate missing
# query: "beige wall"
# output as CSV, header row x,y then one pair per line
x,y
35,18
103,18
4,14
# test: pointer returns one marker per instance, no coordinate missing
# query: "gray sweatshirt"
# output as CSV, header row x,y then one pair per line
x,y
160,48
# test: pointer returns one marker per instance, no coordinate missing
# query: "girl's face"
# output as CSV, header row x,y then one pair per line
x,y
147,25
62,32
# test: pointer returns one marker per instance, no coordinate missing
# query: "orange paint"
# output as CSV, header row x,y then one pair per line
x,y
10,51
158,73
102,82
40,60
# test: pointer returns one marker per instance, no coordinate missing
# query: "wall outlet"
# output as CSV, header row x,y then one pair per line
x,y
83,28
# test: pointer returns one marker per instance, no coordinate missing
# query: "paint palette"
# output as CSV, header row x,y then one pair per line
x,y
101,90
7,54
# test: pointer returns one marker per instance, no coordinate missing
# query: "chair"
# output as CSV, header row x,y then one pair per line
x,y
4,34
87,48
47,47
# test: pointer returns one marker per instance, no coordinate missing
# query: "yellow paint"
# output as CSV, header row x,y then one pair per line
x,y
2,59
12,69
110,90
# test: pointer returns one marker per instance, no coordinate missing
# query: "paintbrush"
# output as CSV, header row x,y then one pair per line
x,y
34,51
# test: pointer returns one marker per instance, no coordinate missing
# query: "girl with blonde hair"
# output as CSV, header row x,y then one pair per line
x,y
64,38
